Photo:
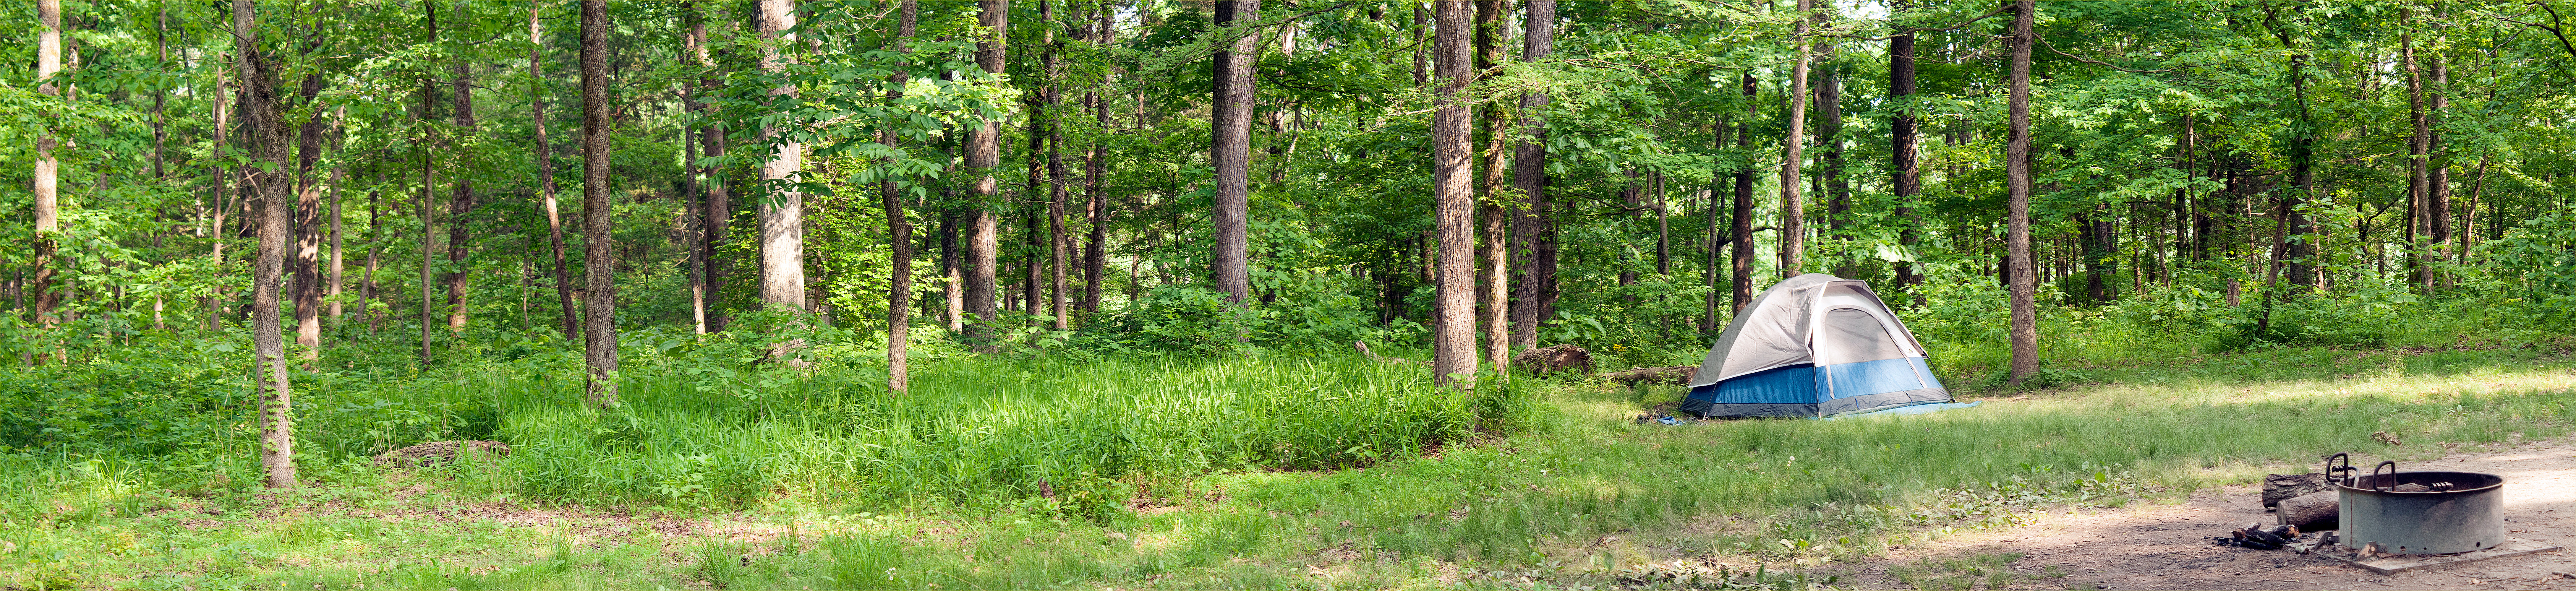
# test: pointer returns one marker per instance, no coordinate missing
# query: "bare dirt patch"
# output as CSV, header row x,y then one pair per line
x,y
2158,546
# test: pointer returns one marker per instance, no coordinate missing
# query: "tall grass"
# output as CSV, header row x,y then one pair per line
x,y
969,430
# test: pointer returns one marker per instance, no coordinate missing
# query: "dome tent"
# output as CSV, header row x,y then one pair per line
x,y
1811,346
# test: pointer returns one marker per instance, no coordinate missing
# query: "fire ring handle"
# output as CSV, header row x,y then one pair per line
x,y
2382,484
2341,473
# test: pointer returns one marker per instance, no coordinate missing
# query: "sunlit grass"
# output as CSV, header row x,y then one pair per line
x,y
1588,497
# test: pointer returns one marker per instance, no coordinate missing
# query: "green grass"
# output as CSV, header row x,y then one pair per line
x,y
1233,473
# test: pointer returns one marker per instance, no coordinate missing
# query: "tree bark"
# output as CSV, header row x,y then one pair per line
x,y
719,194
1057,241
1495,294
693,184
1793,204
460,206
265,120
782,211
2024,279
1453,195
1231,150
1740,228
1905,160
1530,225
2418,151
48,171
898,230
1095,252
599,263
1829,134
2437,176
983,155
546,170
307,231
339,259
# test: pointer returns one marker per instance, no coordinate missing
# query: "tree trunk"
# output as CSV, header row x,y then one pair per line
x,y
2303,138
266,124
2437,177
2418,150
338,257
2024,278
782,211
954,292
48,171
1829,134
898,231
307,231
1663,229
1793,205
1231,148
460,206
599,263
1496,293
718,214
1095,252
546,170
1057,240
1740,227
1453,195
1905,159
983,154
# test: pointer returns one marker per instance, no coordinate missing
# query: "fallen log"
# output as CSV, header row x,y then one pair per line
x,y
436,452
1554,358
2281,487
2316,511
1678,375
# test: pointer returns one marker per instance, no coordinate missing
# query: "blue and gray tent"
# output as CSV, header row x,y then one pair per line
x,y
1814,345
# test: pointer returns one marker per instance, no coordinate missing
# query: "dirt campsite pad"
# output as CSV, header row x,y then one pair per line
x,y
2157,546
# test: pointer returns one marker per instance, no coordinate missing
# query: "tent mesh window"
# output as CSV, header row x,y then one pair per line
x,y
1853,336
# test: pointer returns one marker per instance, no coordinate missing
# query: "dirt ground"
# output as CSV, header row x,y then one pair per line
x,y
2156,546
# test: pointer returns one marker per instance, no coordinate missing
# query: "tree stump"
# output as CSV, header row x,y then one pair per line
x,y
1554,358
2279,487
2311,512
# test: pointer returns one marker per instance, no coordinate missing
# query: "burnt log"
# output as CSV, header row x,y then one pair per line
x,y
2312,512
1678,375
2280,487
1554,358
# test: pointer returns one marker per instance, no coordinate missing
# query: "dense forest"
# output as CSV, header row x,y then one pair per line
x,y
286,218
1044,255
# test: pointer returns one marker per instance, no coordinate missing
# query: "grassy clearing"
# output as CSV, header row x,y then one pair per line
x,y
1587,497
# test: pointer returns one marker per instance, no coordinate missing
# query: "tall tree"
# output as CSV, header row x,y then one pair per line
x,y
983,154
1057,241
1740,227
782,209
2024,278
48,172
1453,360
898,229
1496,294
1096,251
1904,156
1793,205
718,213
599,254
570,324
306,263
1529,172
1231,148
460,200
265,121
2419,146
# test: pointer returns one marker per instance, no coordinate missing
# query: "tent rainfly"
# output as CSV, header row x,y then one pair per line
x,y
1811,346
